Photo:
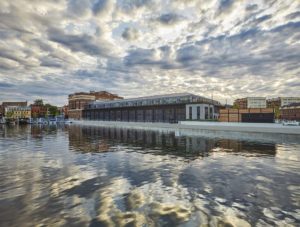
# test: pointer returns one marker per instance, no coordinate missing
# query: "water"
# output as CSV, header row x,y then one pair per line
x,y
91,176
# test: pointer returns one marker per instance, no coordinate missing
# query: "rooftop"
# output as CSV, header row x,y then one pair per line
x,y
174,98
292,105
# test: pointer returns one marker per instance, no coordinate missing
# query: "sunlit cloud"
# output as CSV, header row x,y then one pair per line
x,y
224,48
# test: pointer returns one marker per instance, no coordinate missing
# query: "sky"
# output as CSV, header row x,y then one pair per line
x,y
225,49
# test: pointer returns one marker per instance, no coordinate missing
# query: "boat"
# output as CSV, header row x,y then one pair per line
x,y
68,122
290,123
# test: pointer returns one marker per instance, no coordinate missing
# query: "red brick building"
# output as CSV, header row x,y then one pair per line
x,y
38,111
290,112
78,100
250,115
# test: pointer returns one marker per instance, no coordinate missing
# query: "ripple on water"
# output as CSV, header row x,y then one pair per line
x,y
57,177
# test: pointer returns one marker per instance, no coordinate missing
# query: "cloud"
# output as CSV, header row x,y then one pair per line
x,y
130,34
169,18
78,43
142,47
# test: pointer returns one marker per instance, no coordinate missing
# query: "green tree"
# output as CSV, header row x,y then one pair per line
x,y
9,114
38,102
52,110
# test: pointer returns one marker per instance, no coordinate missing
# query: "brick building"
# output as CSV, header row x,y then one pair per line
x,y
253,115
38,111
78,100
279,102
290,112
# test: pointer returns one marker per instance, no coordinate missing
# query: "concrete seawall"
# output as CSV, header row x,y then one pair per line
x,y
207,126
269,133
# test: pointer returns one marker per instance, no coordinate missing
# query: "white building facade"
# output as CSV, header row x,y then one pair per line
x,y
200,112
256,102
289,100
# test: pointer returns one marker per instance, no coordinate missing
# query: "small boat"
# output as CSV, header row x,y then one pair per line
x,y
290,123
68,122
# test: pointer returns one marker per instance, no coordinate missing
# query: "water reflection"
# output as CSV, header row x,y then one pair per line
x,y
95,139
89,176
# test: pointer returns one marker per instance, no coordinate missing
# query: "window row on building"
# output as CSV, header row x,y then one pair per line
x,y
166,108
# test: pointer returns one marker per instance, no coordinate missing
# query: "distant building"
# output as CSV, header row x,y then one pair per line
x,y
159,108
251,115
18,112
77,101
250,102
63,111
38,111
282,101
279,102
290,112
1,113
7,104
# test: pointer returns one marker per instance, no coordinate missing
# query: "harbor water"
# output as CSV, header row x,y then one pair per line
x,y
72,175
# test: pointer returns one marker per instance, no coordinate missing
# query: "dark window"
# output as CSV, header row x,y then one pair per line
x,y
206,112
198,112
190,112
211,113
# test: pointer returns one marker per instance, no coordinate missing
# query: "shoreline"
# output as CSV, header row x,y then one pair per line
x,y
271,128
207,132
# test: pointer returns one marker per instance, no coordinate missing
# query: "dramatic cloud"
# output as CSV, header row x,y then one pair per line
x,y
224,48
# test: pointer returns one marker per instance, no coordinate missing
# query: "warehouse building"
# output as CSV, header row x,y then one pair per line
x,y
160,108
251,115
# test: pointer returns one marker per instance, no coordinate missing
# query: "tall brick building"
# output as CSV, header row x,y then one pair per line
x,y
78,100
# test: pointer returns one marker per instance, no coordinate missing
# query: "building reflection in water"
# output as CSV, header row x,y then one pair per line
x,y
104,139
145,178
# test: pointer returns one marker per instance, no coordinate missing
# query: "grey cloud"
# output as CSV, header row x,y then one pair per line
x,y
251,7
159,58
99,6
221,53
51,62
78,43
294,15
130,34
140,57
263,18
78,8
169,18
128,5
6,85
225,5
